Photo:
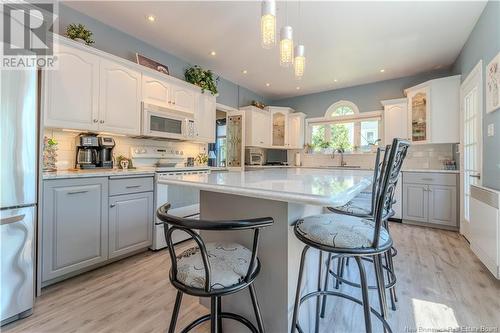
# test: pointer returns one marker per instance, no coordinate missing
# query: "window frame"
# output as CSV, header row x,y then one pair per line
x,y
355,118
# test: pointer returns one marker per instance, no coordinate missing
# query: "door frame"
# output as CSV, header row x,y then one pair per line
x,y
234,111
475,78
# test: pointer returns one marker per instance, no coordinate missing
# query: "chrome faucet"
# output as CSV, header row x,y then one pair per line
x,y
341,151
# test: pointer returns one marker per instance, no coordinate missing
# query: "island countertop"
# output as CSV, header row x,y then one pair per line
x,y
305,186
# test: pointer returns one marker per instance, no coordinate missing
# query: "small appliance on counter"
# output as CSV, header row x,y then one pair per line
x,y
254,156
105,152
277,157
87,151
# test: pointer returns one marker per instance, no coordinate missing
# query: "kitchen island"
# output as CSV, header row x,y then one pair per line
x,y
286,194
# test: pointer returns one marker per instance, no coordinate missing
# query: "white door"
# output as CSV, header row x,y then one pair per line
x,y
120,99
471,103
71,93
184,99
261,122
235,139
205,118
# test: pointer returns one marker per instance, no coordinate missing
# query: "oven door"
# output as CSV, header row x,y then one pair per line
x,y
184,201
163,124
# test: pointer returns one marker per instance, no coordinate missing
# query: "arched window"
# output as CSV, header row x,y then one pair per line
x,y
344,127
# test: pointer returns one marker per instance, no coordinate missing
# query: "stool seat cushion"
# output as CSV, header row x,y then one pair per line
x,y
340,231
228,264
360,205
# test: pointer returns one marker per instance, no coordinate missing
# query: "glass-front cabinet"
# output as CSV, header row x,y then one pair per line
x,y
279,121
418,111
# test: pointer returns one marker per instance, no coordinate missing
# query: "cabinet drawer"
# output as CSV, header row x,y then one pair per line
x,y
130,185
430,178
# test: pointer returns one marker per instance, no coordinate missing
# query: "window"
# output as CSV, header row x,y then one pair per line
x,y
344,127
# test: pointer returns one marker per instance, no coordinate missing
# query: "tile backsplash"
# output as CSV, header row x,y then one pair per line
x,y
67,150
429,156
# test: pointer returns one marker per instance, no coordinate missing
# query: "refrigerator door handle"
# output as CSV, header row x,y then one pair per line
x,y
12,219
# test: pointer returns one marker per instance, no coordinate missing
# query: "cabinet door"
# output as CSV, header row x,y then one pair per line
x,y
74,225
261,129
279,127
120,99
295,131
395,122
130,223
443,205
205,118
156,91
71,93
183,99
415,202
418,115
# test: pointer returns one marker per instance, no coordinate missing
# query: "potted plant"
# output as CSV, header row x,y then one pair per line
x,y
202,78
79,33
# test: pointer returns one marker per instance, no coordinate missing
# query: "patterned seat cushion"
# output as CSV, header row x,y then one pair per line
x,y
360,205
340,231
228,264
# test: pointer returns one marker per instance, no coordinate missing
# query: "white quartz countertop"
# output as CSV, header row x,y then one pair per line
x,y
431,170
76,173
299,185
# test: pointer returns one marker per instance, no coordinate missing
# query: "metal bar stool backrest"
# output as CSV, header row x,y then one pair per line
x,y
393,161
173,223
377,176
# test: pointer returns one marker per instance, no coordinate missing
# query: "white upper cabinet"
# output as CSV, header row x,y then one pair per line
x,y
434,111
279,126
296,129
395,119
257,127
184,99
120,99
71,97
155,91
205,118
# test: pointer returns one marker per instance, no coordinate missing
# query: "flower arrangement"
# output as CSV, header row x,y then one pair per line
x,y
201,159
202,78
79,32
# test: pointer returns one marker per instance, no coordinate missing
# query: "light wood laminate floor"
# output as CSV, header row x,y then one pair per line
x,y
441,285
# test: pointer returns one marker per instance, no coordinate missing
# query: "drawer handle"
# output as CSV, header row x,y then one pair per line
x,y
12,219
428,179
112,205
133,186
77,192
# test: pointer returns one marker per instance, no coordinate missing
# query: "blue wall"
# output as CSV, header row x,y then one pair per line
x,y
116,42
484,44
367,96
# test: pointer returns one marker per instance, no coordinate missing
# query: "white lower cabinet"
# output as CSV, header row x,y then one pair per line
x,y
83,226
74,225
130,223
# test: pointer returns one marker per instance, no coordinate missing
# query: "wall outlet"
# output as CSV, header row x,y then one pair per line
x,y
491,129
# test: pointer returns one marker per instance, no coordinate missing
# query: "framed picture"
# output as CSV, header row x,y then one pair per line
x,y
493,84
142,60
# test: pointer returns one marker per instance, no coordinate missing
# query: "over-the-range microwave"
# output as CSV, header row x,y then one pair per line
x,y
162,122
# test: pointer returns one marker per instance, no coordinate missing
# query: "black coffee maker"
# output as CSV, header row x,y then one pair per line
x,y
105,152
87,152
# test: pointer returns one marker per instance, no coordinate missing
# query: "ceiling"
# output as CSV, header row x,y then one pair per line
x,y
350,42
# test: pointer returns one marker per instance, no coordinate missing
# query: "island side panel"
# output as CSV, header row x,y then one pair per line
x,y
279,253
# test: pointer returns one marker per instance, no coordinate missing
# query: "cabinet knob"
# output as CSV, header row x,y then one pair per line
x,y
95,120
102,121
112,205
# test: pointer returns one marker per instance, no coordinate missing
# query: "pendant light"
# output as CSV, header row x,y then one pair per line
x,y
300,59
286,42
268,24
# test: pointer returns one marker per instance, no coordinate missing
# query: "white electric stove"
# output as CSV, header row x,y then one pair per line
x,y
184,201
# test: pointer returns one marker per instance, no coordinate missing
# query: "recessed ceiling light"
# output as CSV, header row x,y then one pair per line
x,y
382,70
268,84
151,18
335,80
298,88
213,53
244,71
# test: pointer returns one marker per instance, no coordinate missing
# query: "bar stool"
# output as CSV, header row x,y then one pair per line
x,y
213,269
363,205
351,236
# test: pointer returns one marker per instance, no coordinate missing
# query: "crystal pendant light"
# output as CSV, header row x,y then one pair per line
x,y
268,24
300,61
286,46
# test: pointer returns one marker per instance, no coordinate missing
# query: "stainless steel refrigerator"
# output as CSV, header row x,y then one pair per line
x,y
18,199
